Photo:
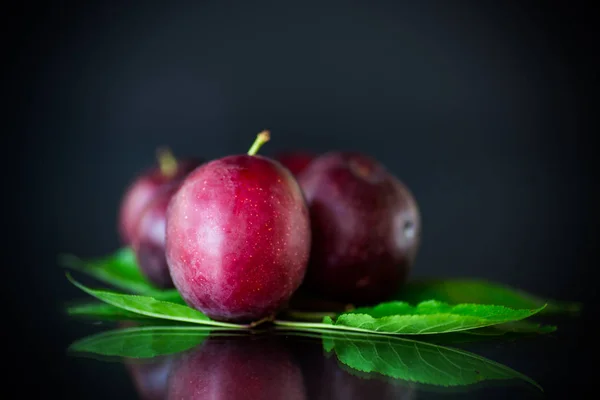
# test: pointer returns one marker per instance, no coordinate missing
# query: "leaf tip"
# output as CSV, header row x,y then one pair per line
x,y
76,283
69,276
71,279
537,385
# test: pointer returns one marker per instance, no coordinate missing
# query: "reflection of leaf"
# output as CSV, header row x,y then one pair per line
x,y
145,342
416,361
151,307
120,270
428,317
457,291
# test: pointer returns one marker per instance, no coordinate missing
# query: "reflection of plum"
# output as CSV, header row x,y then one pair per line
x,y
343,385
150,377
326,379
234,368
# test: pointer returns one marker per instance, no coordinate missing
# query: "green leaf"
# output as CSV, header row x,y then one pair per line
x,y
501,333
144,342
416,361
495,330
459,291
170,295
510,331
104,311
151,307
513,327
119,269
428,317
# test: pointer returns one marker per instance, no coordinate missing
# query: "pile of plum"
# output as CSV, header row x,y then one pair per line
x,y
240,235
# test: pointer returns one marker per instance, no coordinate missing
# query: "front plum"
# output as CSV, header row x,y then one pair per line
x,y
238,238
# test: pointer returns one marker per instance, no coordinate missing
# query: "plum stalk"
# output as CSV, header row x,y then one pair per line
x,y
262,138
166,161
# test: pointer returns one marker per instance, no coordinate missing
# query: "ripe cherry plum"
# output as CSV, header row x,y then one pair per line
x,y
238,238
365,228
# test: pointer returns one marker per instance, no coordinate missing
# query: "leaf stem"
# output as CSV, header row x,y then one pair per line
x,y
262,138
321,326
261,321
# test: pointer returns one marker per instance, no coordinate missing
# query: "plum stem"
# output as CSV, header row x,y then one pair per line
x,y
166,161
262,138
269,318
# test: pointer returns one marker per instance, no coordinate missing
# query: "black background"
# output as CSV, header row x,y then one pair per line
x,y
484,109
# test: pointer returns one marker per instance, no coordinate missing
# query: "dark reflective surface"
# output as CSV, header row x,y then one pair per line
x,y
237,368
165,362
265,366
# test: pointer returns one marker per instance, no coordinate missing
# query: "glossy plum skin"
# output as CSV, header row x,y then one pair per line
x,y
142,190
148,242
365,228
238,238
237,368
296,162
